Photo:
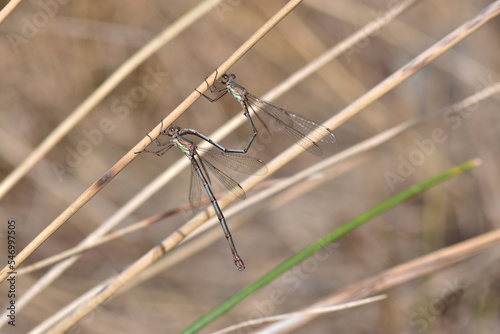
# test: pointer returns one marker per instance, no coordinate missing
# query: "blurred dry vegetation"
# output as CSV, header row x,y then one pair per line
x,y
49,74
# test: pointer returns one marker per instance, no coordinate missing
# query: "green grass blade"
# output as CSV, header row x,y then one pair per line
x,y
333,236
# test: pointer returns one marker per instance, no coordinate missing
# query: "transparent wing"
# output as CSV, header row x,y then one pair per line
x,y
241,163
228,182
194,190
299,129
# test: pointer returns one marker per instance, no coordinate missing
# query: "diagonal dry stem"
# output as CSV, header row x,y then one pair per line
x,y
103,90
317,311
395,276
9,8
82,110
154,186
351,152
125,160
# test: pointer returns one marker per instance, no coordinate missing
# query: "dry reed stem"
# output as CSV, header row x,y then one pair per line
x,y
353,151
52,139
176,168
385,86
143,143
125,160
154,186
102,91
9,8
227,128
317,311
411,34
392,277
83,247
291,81
415,65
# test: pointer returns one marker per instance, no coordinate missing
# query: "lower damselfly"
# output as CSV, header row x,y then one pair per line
x,y
202,169
299,129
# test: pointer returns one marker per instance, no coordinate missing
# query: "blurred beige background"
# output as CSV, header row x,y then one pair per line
x,y
51,63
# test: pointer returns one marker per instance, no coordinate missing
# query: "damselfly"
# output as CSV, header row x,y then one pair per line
x,y
299,129
200,175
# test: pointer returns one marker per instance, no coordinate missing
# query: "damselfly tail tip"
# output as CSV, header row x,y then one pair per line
x,y
239,263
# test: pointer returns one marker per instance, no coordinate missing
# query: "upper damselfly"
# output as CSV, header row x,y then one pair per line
x,y
299,129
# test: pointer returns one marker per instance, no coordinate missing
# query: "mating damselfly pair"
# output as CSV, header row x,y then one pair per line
x,y
299,129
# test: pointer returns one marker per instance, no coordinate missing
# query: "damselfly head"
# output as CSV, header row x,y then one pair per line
x,y
172,130
227,78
